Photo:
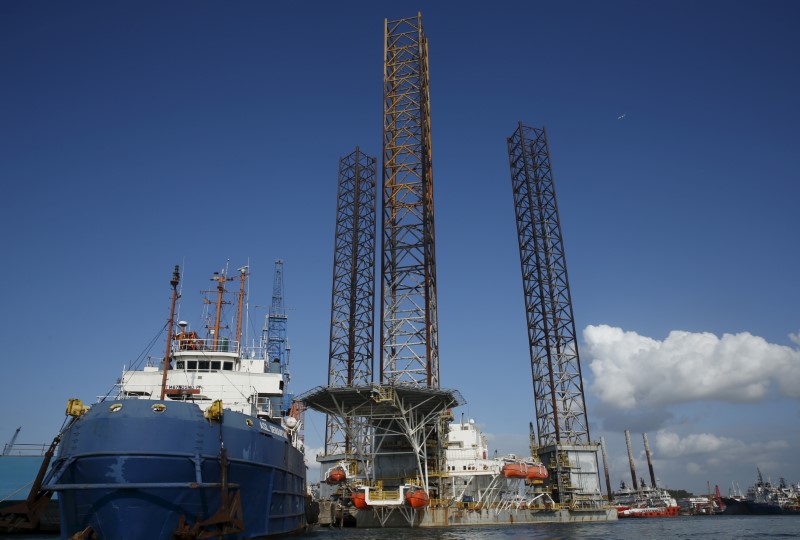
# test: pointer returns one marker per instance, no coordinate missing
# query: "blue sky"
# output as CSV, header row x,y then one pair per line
x,y
136,136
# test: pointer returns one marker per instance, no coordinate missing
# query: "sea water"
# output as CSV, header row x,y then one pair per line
x,y
678,528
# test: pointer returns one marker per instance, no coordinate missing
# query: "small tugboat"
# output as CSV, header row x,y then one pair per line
x,y
198,447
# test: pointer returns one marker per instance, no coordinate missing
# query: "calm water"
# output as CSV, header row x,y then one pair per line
x,y
680,528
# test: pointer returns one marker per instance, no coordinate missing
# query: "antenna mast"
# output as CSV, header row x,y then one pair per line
x,y
240,311
176,278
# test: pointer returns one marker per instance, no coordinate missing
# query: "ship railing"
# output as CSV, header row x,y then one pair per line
x,y
25,449
205,344
222,345
384,495
588,502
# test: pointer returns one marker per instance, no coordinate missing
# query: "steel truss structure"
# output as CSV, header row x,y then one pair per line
x,y
409,330
562,425
275,338
557,382
352,304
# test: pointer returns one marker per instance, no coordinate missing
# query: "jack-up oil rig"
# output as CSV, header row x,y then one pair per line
x,y
394,454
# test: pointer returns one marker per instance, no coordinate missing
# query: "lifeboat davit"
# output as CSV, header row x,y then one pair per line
x,y
536,471
417,498
359,499
336,475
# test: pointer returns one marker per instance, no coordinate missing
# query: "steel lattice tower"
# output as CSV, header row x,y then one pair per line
x,y
352,304
277,345
409,333
557,383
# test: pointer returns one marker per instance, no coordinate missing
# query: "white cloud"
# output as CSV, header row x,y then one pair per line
x,y
672,445
631,371
694,468
311,457
713,447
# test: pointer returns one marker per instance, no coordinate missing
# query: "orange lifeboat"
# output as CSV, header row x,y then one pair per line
x,y
536,471
515,470
359,499
417,498
336,475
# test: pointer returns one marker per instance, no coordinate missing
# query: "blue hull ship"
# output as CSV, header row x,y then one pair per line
x,y
199,447
158,469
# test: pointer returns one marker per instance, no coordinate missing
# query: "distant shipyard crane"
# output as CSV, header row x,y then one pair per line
x,y
350,360
275,330
561,422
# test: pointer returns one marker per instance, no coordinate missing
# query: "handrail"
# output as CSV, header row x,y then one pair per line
x,y
209,344
25,449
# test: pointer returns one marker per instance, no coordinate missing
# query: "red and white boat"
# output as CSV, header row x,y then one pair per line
x,y
645,503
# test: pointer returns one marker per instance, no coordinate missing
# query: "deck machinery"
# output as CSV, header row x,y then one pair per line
x,y
390,433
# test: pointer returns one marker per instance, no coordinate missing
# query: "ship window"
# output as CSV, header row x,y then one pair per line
x,y
228,365
179,365
203,365
215,365
280,385
192,364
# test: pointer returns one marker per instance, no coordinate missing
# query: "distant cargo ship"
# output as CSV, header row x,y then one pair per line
x,y
765,498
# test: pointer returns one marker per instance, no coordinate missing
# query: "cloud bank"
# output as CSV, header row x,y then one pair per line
x,y
632,371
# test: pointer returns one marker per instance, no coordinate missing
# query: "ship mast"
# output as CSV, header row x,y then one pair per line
x,y
220,279
240,311
176,278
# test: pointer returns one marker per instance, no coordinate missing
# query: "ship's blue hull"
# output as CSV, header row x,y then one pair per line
x,y
135,473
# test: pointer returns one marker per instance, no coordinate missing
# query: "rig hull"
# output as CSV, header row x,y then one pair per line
x,y
456,517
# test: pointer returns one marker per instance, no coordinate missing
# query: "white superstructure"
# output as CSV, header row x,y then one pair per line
x,y
202,372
